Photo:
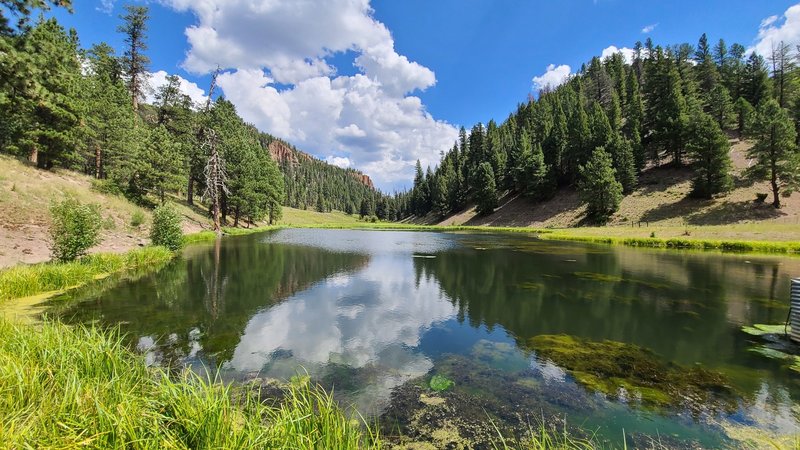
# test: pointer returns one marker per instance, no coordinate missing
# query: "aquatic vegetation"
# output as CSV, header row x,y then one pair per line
x,y
626,371
63,387
775,344
599,277
762,329
440,383
500,355
27,280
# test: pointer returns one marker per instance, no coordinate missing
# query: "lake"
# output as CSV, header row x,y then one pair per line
x,y
608,340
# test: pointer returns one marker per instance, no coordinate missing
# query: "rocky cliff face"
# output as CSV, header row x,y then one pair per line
x,y
365,179
282,153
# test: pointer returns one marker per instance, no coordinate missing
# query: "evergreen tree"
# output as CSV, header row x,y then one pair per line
x,y
623,162
666,107
634,118
599,127
134,60
745,114
439,192
599,187
775,150
755,80
486,190
719,105
39,104
578,138
709,151
534,177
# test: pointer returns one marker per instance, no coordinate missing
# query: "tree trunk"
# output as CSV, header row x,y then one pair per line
x,y
34,156
224,208
190,191
776,202
215,214
98,158
236,217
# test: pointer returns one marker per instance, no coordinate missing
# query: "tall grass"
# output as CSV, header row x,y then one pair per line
x,y
27,280
63,387
785,247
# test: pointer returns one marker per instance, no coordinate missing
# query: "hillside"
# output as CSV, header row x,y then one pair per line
x,y
661,203
26,193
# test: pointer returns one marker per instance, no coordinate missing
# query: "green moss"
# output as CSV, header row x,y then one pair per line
x,y
440,383
619,370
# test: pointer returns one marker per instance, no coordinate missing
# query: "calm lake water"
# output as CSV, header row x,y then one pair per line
x,y
374,314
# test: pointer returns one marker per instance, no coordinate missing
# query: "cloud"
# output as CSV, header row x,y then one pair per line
x,y
649,28
106,6
158,79
553,77
627,53
338,161
776,29
275,55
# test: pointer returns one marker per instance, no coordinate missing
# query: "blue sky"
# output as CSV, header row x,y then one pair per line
x,y
376,85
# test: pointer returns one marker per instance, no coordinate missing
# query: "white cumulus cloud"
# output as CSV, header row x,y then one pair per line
x,y
159,78
553,77
275,56
776,29
338,161
627,53
649,28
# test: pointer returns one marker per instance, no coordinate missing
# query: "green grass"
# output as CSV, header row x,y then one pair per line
x,y
63,387
28,280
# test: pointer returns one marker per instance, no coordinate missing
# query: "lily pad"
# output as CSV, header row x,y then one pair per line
x,y
440,383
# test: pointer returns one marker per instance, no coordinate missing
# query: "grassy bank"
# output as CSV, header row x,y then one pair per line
x,y
64,387
27,280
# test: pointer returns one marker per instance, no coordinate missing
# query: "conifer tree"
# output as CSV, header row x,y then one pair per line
x,y
775,150
719,105
745,114
622,158
599,187
134,60
755,80
486,190
709,151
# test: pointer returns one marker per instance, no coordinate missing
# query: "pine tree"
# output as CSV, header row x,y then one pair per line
x,y
755,80
709,151
599,127
719,105
439,194
599,188
745,114
775,150
666,107
634,118
705,69
135,61
623,162
534,177
486,190
578,138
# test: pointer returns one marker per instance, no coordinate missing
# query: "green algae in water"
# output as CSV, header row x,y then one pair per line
x,y
760,329
619,370
440,383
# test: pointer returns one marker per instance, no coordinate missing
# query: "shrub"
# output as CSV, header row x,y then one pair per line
x,y
137,219
166,230
106,187
74,230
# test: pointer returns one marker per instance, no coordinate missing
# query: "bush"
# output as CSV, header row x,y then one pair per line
x,y
137,219
74,230
166,230
106,187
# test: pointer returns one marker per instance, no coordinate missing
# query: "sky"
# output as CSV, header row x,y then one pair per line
x,y
377,84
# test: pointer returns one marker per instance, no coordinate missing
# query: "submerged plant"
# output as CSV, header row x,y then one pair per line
x,y
440,383
614,368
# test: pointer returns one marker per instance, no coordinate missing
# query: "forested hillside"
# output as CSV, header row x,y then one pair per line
x,y
596,133
84,108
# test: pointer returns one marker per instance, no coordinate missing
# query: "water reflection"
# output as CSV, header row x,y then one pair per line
x,y
366,312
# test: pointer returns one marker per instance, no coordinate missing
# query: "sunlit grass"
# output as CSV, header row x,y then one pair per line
x,y
27,280
63,387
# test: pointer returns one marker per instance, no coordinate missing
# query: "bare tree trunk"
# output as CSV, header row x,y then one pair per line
x,y
34,156
98,161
